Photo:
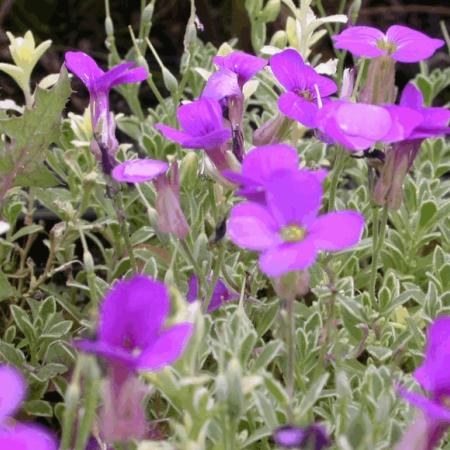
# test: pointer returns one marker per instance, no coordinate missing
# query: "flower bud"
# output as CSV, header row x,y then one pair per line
x,y
170,82
109,27
147,14
190,37
88,262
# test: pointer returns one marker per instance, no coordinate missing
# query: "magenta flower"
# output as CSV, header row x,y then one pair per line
x,y
400,43
306,89
203,128
99,83
131,331
18,436
358,126
434,120
221,294
432,375
244,65
258,167
139,170
313,437
400,158
287,230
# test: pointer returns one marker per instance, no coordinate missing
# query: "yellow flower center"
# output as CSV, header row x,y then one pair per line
x,y
306,94
390,47
293,233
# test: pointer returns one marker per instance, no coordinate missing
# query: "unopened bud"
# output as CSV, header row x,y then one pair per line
x,y
147,14
88,262
170,82
109,27
292,284
190,37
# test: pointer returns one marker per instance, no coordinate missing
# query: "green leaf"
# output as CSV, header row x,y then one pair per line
x,y
23,323
21,163
38,408
6,290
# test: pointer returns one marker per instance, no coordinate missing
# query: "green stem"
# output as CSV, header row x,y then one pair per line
x,y
71,405
125,231
90,273
377,246
290,343
339,164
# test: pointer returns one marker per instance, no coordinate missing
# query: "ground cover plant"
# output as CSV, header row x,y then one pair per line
x,y
259,261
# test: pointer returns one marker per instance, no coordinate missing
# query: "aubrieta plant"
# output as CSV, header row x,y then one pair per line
x,y
258,260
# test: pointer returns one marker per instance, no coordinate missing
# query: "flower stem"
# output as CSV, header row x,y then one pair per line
x,y
379,233
186,251
339,164
290,343
125,231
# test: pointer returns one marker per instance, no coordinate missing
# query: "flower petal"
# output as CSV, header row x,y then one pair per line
x,y
105,350
411,97
412,46
294,197
429,407
180,137
246,66
287,67
360,40
84,67
297,108
12,391
404,121
261,162
27,437
139,170
135,75
167,348
337,230
222,84
288,257
251,226
134,310
200,117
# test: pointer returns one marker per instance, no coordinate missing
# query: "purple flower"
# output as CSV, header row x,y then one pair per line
x,y
170,215
305,87
203,127
313,437
139,170
432,375
434,120
430,122
99,83
400,43
358,126
244,65
287,230
221,294
258,167
226,86
131,331
18,436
